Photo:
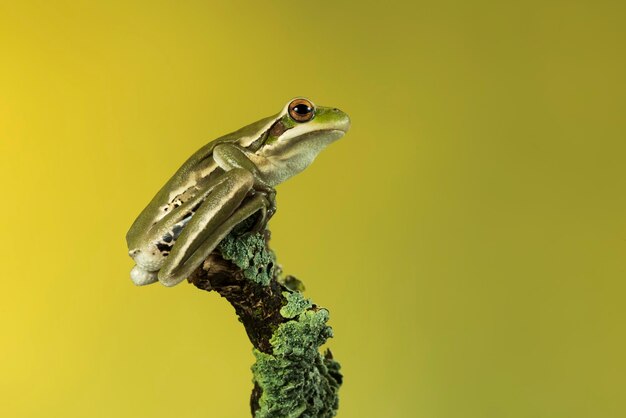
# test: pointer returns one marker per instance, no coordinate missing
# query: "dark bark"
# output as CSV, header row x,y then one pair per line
x,y
257,306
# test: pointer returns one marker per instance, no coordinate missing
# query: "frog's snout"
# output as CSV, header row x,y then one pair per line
x,y
343,124
133,253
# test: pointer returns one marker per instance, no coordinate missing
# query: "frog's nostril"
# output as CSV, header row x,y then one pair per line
x,y
133,253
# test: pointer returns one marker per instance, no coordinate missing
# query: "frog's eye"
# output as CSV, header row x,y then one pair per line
x,y
301,110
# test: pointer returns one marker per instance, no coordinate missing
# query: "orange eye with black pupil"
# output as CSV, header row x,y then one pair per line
x,y
301,110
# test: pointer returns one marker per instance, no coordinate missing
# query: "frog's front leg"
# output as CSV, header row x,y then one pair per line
x,y
230,156
226,205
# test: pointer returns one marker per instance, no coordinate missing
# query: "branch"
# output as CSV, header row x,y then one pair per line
x,y
291,378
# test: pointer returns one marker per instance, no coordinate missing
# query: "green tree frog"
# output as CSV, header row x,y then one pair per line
x,y
225,182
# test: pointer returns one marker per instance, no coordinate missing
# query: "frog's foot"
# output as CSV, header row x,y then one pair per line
x,y
143,277
263,215
269,193
266,203
271,206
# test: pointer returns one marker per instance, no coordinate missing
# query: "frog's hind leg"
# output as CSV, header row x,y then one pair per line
x,y
251,206
228,204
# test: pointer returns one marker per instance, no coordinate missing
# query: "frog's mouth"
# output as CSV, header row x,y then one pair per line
x,y
315,141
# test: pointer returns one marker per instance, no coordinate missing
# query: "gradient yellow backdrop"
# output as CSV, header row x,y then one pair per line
x,y
468,235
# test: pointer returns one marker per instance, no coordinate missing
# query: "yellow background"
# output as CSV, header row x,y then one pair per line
x,y
468,235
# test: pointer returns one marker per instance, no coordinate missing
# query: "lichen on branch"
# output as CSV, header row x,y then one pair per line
x,y
291,377
295,380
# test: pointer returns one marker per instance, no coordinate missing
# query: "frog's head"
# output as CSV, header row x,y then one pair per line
x,y
302,130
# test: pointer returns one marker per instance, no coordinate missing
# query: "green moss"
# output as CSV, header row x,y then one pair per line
x,y
296,381
296,304
250,254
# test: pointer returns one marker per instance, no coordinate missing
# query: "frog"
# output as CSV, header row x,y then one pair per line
x,y
229,180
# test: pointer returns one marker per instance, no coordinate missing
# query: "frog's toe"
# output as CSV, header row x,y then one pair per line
x,y
142,277
170,280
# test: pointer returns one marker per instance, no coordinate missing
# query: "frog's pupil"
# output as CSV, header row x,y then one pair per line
x,y
302,109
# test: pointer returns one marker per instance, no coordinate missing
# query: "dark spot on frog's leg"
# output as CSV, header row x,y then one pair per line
x,y
167,237
163,247
177,230
195,208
